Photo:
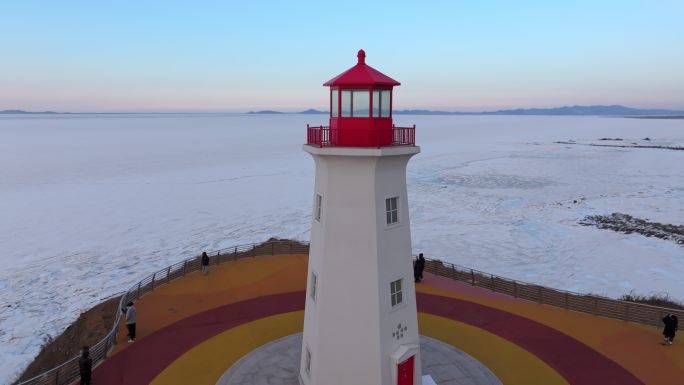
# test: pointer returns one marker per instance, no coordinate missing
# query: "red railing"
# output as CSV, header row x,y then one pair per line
x,y
324,136
403,136
319,136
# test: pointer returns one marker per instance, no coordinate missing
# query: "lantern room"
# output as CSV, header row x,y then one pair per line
x,y
361,111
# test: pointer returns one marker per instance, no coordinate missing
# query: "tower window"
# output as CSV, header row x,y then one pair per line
x,y
307,361
361,103
319,206
314,283
392,210
334,105
346,103
355,103
396,296
385,97
381,103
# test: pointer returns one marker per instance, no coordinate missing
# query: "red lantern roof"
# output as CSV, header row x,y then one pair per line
x,y
361,74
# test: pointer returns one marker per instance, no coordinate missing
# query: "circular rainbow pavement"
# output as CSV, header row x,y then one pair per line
x,y
277,362
193,330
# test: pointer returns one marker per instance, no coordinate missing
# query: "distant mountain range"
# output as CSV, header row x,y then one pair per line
x,y
585,110
310,111
26,112
614,110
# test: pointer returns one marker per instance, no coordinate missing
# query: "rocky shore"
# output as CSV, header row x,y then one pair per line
x,y
627,224
632,145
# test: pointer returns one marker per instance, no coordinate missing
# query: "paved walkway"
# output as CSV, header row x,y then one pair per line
x,y
194,329
278,363
634,347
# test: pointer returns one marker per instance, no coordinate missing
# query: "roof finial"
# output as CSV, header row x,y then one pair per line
x,y
362,56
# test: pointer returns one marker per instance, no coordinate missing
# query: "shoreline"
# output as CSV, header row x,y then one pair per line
x,y
90,327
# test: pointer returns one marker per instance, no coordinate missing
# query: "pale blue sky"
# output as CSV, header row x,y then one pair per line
x,y
225,56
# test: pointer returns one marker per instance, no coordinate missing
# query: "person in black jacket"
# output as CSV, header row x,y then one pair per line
x,y
671,324
416,271
421,265
205,263
85,366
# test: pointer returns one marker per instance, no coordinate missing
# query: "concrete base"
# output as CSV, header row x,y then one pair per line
x,y
278,363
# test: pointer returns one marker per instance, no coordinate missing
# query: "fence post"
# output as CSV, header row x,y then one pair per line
x,y
472,277
218,257
168,272
453,271
57,376
539,299
626,311
184,264
273,248
515,289
491,276
253,251
153,277
235,254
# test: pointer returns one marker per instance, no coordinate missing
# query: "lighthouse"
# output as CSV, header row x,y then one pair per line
x,y
360,323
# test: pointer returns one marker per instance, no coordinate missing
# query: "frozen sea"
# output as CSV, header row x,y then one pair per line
x,y
89,204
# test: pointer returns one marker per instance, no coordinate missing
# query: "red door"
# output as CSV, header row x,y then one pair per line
x,y
405,372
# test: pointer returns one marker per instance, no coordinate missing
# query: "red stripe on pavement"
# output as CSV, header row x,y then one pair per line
x,y
578,363
147,357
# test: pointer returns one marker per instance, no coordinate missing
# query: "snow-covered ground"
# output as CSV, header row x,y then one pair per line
x,y
89,204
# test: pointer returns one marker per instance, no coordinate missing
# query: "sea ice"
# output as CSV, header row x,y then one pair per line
x,y
90,204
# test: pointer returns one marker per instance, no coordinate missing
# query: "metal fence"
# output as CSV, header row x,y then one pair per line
x,y
68,372
585,303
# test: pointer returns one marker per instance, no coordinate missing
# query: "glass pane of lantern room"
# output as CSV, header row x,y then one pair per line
x,y
385,103
346,104
361,104
334,105
376,104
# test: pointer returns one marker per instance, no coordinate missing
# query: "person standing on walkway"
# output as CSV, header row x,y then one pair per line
x,y
421,265
85,366
416,271
670,321
131,316
205,263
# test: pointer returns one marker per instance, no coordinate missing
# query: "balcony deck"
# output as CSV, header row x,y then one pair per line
x,y
324,136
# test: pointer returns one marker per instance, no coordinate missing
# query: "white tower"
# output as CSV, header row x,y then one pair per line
x,y
360,324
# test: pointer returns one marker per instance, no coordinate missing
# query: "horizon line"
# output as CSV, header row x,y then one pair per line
x,y
313,111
